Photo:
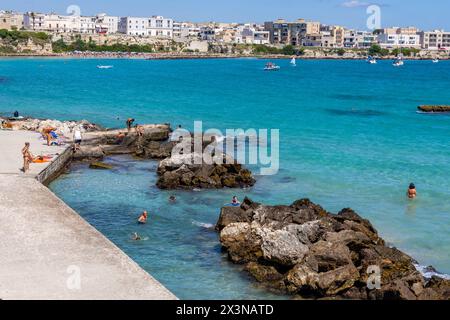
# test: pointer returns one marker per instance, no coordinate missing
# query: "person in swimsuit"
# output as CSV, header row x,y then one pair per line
x,y
235,201
129,123
136,237
143,218
412,192
27,157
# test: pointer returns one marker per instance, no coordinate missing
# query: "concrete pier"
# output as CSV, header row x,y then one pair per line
x,y
47,251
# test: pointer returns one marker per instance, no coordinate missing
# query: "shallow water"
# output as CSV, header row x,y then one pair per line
x,y
350,137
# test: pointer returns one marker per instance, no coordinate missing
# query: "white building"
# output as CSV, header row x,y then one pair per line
x,y
250,34
34,21
160,27
105,24
87,25
134,26
399,38
359,39
435,40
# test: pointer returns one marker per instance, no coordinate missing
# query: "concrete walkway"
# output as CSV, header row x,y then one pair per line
x,y
11,144
47,251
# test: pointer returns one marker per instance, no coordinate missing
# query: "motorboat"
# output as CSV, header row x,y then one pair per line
x,y
271,67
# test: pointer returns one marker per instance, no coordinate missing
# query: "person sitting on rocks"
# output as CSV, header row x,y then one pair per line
x,y
412,192
143,218
140,130
120,137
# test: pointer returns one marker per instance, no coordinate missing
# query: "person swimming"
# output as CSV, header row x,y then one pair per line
x,y
235,202
136,237
143,218
412,192
172,198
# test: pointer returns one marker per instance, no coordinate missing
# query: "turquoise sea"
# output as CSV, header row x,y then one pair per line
x,y
349,137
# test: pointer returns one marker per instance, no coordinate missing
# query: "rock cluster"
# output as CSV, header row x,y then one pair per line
x,y
435,108
64,128
304,250
182,172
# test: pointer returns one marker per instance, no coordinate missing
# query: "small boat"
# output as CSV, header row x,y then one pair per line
x,y
293,62
398,63
371,60
105,67
271,67
435,60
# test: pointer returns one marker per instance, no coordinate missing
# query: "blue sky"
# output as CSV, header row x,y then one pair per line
x,y
431,14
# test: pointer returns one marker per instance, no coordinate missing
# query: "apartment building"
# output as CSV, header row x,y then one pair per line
x,y
11,20
294,33
399,38
160,27
359,39
105,24
435,40
332,36
86,25
134,26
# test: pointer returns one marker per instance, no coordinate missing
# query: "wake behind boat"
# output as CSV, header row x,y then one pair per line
x,y
104,67
271,67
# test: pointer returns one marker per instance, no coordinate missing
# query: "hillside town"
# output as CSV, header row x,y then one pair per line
x,y
280,32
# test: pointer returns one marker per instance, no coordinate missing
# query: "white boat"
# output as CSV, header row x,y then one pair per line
x,y
435,60
271,67
105,67
293,62
398,63
371,60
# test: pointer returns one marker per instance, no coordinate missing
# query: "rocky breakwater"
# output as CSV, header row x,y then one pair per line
x,y
434,109
190,171
304,250
152,142
62,128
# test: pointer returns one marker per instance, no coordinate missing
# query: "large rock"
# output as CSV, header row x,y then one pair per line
x,y
304,250
188,171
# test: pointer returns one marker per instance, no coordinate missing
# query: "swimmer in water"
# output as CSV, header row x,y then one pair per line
x,y
143,218
136,237
235,201
412,192
172,198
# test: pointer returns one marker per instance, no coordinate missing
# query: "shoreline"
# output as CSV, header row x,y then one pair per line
x,y
200,56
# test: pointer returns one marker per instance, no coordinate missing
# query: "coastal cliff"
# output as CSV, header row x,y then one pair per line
x,y
303,250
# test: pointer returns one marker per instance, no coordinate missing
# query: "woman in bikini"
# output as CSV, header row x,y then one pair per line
x,y
27,157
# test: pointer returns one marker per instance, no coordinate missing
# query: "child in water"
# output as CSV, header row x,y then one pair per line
x,y
412,192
